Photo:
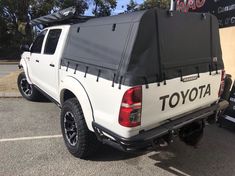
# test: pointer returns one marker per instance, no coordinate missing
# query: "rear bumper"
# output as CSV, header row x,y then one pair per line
x,y
148,138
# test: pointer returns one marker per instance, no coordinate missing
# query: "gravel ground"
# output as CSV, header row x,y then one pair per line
x,y
48,156
8,80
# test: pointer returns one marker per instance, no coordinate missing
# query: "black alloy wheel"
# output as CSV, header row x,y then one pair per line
x,y
26,87
27,90
70,128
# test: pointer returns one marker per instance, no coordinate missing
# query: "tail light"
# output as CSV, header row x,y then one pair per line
x,y
130,110
221,90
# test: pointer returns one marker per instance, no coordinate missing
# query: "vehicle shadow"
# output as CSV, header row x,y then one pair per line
x,y
214,156
108,153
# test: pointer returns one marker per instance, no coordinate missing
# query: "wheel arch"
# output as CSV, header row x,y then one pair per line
x,y
23,64
72,87
65,95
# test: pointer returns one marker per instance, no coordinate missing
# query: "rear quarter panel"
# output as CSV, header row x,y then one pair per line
x,y
105,100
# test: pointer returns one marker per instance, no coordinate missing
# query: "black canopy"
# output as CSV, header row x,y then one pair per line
x,y
146,46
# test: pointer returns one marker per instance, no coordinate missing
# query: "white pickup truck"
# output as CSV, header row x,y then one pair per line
x,y
131,81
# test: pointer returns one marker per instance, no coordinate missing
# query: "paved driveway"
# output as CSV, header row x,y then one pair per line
x,y
7,68
31,144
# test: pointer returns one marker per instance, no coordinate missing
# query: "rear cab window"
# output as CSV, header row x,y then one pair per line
x,y
52,41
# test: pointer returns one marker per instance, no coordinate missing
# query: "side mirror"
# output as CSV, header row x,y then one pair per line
x,y
24,47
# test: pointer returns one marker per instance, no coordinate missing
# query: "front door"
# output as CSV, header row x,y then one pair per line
x,y
34,57
48,65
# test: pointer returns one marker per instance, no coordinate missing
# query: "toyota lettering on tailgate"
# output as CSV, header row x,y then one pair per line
x,y
190,94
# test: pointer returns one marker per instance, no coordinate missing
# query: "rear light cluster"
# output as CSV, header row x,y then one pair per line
x,y
221,90
131,106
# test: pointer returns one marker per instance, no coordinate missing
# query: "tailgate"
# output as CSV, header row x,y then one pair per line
x,y
177,97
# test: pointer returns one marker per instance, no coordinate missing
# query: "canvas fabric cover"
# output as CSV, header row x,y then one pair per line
x,y
145,47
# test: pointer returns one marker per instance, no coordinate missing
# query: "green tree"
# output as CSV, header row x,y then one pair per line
x,y
16,14
155,3
104,7
131,7
81,5
12,14
42,7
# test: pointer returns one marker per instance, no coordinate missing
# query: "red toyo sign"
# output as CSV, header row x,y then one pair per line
x,y
185,6
224,10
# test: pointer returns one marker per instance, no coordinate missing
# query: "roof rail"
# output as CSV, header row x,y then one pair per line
x,y
65,16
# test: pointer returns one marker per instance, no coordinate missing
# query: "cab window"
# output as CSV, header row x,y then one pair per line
x,y
52,41
37,44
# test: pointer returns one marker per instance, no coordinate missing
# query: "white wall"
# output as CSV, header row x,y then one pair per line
x,y
227,38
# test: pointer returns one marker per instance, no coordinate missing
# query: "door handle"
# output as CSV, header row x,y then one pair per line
x,y
37,61
52,65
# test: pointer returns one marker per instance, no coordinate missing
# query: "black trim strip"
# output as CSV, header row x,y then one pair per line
x,y
48,96
216,68
181,75
120,82
76,69
67,66
210,70
164,78
158,82
86,71
146,82
113,79
198,72
97,79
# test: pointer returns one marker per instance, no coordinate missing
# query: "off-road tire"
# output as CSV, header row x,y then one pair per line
x,y
87,142
33,94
